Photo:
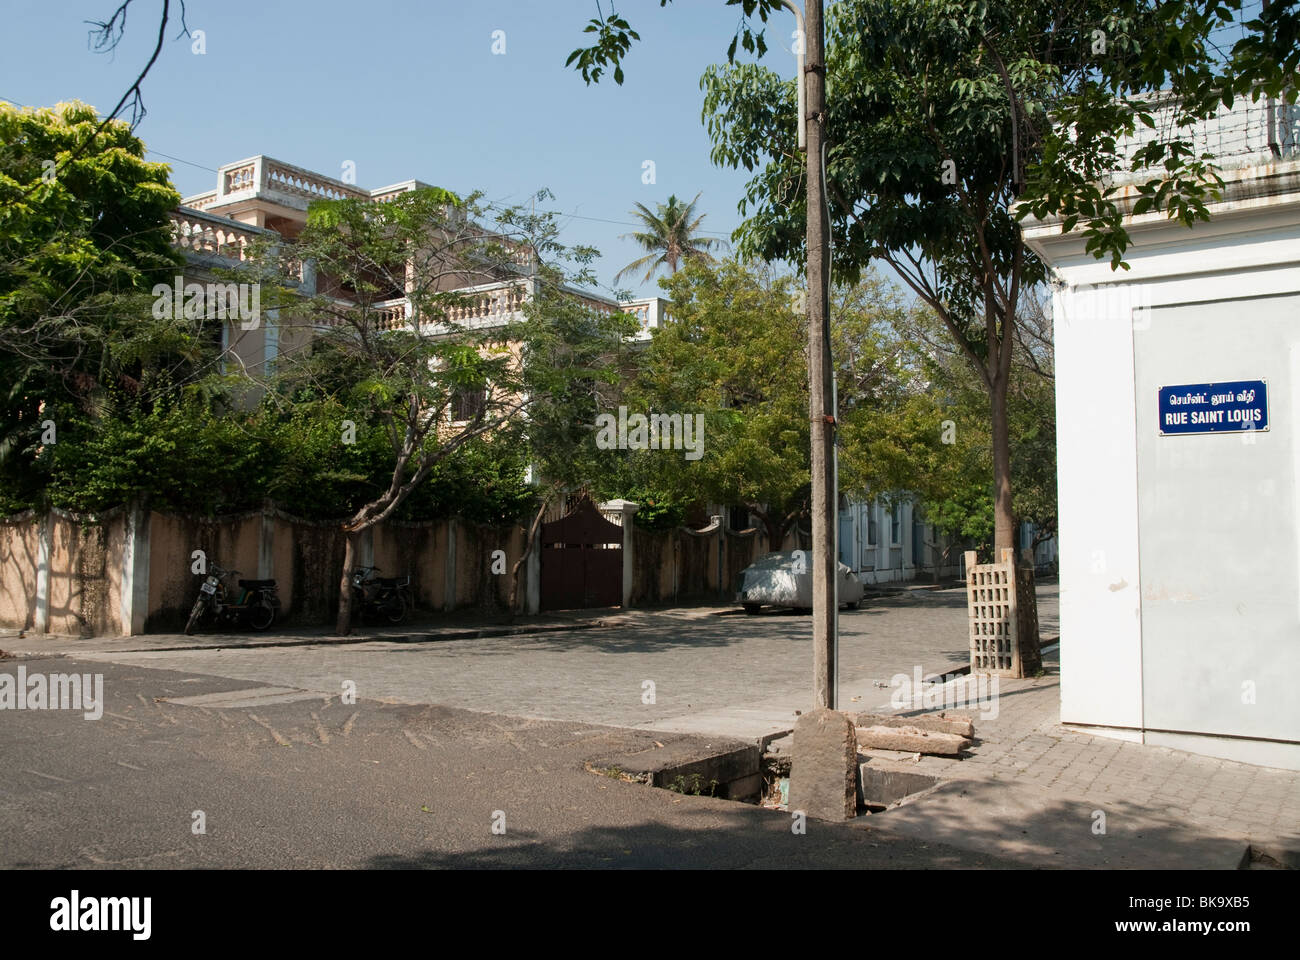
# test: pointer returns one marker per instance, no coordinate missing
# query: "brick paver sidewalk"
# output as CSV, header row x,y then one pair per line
x,y
1026,750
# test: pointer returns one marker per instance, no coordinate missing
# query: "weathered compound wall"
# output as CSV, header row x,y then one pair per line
x,y
685,565
98,576
58,572
134,571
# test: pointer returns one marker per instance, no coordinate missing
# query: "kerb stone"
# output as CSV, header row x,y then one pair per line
x,y
824,773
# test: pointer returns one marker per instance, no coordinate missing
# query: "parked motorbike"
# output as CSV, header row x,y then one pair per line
x,y
387,598
254,603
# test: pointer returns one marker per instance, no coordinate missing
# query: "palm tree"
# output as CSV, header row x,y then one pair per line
x,y
669,238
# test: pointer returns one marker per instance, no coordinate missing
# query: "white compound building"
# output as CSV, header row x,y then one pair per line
x,y
1178,406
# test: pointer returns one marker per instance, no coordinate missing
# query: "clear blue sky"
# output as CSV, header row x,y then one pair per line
x,y
409,89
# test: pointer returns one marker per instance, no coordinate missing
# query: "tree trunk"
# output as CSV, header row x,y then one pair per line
x,y
528,549
775,533
774,526
343,626
1004,523
1004,518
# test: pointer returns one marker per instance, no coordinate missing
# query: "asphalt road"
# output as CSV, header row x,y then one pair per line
x,y
320,783
717,674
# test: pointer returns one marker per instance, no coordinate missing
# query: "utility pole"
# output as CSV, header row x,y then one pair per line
x,y
821,373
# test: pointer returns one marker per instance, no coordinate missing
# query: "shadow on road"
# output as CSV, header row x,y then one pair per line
x,y
712,837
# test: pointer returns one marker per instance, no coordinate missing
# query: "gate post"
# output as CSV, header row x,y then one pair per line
x,y
135,570
44,545
533,576
266,542
449,568
621,512
720,522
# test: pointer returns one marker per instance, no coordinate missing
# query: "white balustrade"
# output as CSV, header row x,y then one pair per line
x,y
217,236
302,183
243,177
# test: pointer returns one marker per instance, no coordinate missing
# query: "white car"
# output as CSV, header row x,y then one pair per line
x,y
784,579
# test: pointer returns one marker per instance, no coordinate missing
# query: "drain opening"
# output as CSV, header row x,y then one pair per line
x,y
747,774
727,771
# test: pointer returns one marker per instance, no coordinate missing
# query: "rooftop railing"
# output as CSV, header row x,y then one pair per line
x,y
274,179
1248,134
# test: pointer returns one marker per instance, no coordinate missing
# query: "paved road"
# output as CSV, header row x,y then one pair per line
x,y
320,783
401,779
733,674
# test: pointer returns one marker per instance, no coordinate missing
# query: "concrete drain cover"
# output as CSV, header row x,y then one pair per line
x,y
253,697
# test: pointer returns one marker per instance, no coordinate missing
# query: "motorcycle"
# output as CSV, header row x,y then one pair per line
x,y
255,604
374,597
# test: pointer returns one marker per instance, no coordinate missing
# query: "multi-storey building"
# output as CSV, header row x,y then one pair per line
x,y
264,198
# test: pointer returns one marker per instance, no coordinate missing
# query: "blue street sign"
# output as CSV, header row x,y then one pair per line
x,y
1229,406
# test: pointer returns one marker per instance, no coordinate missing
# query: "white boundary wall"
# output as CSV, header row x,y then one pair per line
x,y
1249,250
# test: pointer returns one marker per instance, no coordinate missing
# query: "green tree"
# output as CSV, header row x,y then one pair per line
x,y
434,379
572,356
84,236
188,457
733,354
934,437
1103,62
1134,64
671,237
752,398
944,113
917,175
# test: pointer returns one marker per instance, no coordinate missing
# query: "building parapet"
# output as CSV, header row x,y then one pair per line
x,y
266,178
274,180
204,235
1248,134
1256,146
207,237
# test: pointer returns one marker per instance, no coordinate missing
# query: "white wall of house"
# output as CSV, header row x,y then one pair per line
x,y
888,542
1180,574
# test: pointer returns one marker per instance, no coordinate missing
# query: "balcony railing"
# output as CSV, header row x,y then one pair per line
x,y
298,182
490,306
207,235
650,314
197,232
202,201
392,314
493,305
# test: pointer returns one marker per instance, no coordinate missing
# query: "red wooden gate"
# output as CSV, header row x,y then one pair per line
x,y
582,560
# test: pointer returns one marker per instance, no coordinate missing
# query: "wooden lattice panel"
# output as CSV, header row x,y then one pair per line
x,y
1003,631
991,603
